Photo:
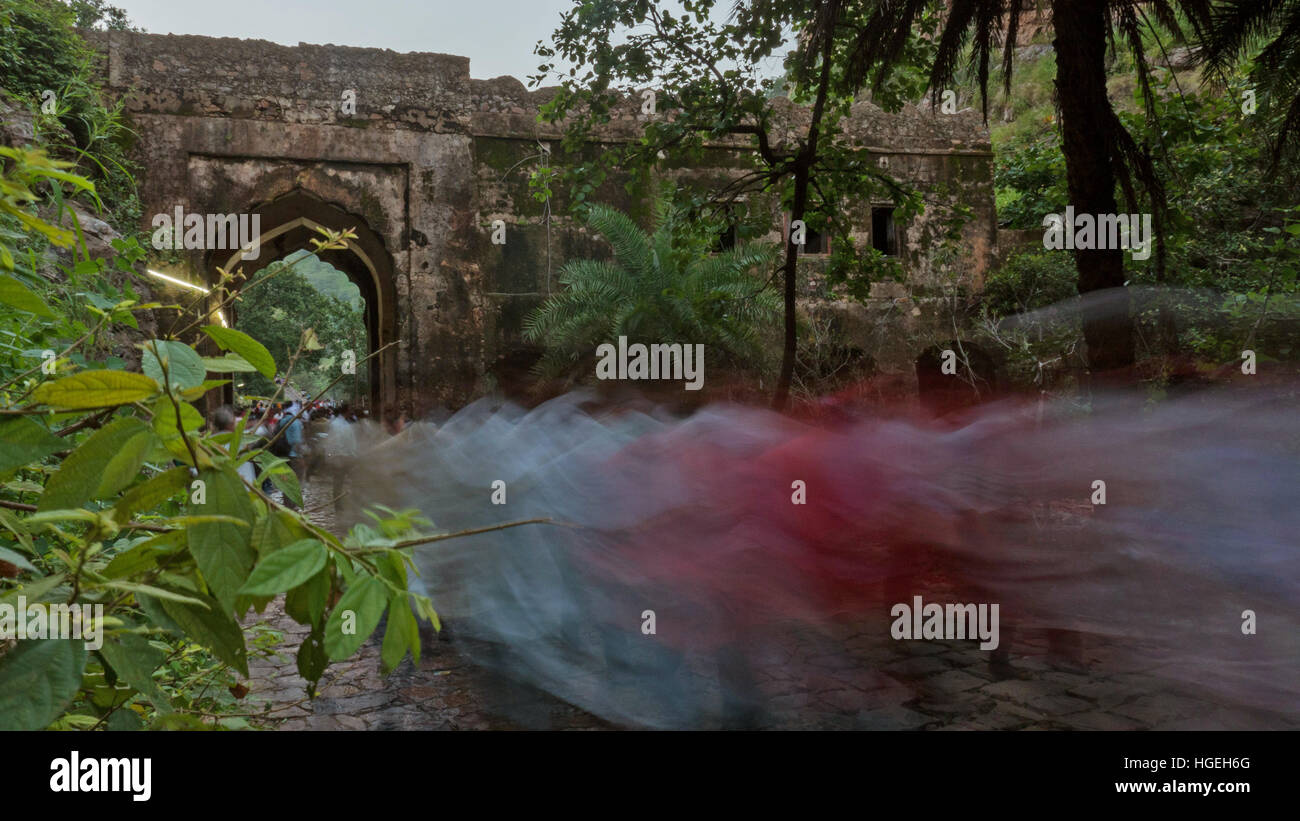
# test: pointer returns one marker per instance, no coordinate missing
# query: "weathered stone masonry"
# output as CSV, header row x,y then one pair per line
x,y
427,160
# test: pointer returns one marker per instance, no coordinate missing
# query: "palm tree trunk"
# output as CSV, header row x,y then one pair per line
x,y
1080,44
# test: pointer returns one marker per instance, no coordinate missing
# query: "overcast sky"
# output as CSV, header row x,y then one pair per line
x,y
497,35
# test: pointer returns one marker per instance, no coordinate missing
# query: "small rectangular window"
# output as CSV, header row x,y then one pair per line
x,y
817,243
729,237
726,239
814,242
884,237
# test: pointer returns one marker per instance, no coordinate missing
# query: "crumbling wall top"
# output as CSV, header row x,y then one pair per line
x,y
187,74
379,88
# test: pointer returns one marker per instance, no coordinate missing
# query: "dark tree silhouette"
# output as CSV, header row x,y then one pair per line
x,y
1099,151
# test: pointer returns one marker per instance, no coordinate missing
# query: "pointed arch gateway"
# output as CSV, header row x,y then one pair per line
x,y
289,223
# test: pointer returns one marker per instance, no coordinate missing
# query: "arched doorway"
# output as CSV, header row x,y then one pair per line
x,y
289,223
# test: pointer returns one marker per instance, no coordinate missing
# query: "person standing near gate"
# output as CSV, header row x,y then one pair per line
x,y
293,437
341,445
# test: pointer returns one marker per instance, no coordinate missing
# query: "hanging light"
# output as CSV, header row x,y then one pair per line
x,y
182,283
176,281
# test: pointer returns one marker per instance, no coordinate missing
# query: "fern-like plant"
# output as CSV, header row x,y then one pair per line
x,y
664,287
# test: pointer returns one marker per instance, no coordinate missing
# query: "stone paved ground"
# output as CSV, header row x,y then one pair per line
x,y
846,679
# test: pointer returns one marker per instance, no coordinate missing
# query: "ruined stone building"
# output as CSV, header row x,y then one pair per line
x,y
427,158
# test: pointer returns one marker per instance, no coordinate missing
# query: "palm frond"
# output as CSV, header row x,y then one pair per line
x,y
661,287
1237,27
631,246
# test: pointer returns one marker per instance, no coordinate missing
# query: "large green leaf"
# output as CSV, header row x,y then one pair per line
x,y
23,441
124,466
134,659
110,458
272,532
212,627
34,591
286,568
95,389
16,559
276,530
38,679
281,474
401,635
150,590
246,346
164,418
164,424
157,616
222,549
144,556
230,363
185,368
148,495
192,394
355,617
17,295
311,657
306,603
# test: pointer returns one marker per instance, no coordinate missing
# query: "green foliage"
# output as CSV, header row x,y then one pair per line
x,y
1263,37
99,14
902,80
245,347
1229,234
1030,109
44,63
706,64
276,306
1223,194
1029,180
663,287
37,678
1029,281
711,72
114,497
327,279
29,326
39,49
855,270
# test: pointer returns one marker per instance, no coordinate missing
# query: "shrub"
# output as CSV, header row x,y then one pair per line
x,y
662,287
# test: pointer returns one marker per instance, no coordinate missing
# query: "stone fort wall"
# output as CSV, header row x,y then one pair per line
x,y
427,157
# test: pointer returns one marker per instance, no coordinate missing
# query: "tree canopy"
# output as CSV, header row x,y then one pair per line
x,y
278,313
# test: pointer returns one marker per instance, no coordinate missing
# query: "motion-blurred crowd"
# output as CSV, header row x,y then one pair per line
x,y
316,438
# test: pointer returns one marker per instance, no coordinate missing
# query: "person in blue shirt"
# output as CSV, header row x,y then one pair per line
x,y
297,452
293,434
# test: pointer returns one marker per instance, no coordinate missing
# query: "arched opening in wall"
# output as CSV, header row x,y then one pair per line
x,y
361,273
953,376
279,304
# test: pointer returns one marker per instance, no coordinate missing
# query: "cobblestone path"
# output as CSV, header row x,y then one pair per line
x,y
928,685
